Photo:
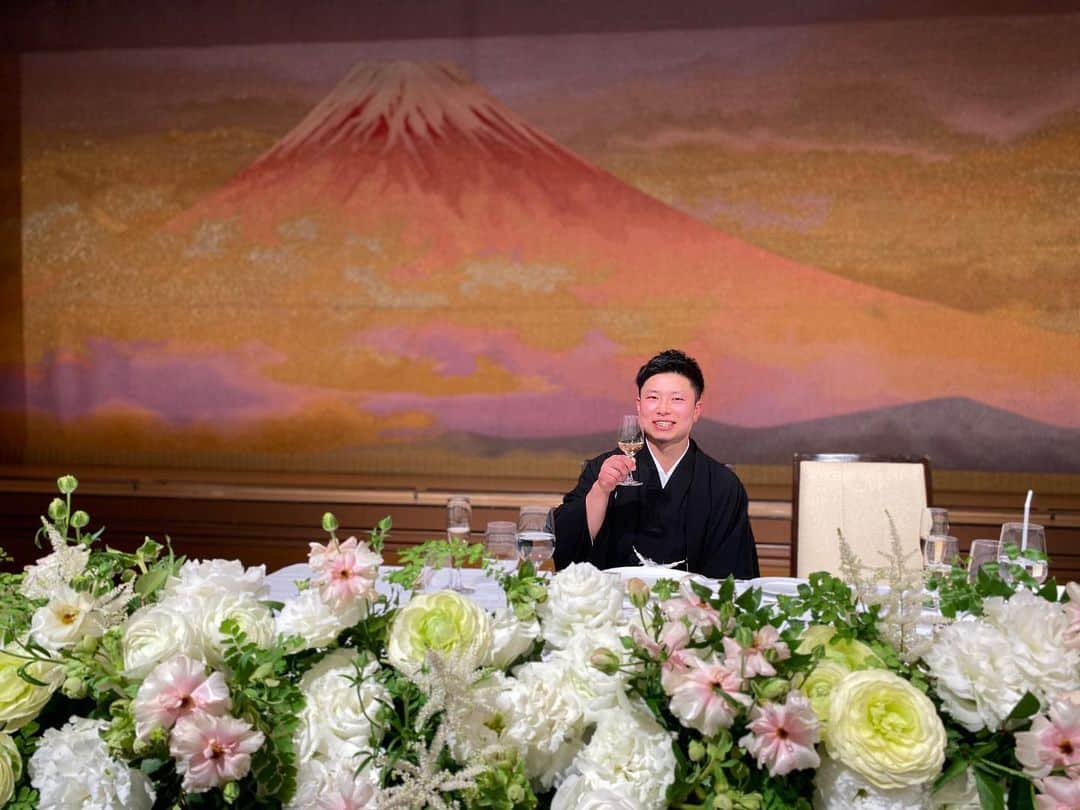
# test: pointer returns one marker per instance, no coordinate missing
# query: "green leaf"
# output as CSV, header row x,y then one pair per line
x,y
151,581
1021,795
1027,707
991,791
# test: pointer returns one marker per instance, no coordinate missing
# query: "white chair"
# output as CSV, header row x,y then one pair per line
x,y
852,492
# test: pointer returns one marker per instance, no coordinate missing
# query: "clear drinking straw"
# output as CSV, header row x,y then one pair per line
x,y
1027,514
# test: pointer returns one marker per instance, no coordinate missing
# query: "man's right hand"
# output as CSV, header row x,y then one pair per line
x,y
614,469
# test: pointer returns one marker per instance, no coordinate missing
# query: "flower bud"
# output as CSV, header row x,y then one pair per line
x,y
329,522
516,794
605,660
79,519
773,688
57,509
696,751
87,645
638,592
67,484
74,688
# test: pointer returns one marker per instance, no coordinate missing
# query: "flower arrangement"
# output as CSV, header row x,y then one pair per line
x,y
146,680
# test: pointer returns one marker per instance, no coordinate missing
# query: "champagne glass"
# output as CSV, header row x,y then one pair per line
x,y
982,552
535,540
458,527
631,440
1012,534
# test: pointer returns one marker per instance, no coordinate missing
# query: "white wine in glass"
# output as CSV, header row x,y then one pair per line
x,y
630,441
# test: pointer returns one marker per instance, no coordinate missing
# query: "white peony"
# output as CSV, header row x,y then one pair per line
x,y
336,720
631,753
69,617
983,667
575,794
199,580
309,616
597,691
543,719
837,787
253,617
156,633
581,598
72,769
510,637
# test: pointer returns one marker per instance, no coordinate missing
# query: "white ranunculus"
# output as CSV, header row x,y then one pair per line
x,y
336,721
253,617
837,787
510,637
443,623
199,580
630,753
20,700
575,794
69,617
543,719
155,633
309,616
581,598
10,767
72,768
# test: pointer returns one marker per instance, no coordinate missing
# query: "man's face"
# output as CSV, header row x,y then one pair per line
x,y
668,409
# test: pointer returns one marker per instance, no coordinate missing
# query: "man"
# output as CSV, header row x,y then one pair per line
x,y
690,509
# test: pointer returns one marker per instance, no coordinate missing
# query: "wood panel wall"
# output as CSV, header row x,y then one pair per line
x,y
271,519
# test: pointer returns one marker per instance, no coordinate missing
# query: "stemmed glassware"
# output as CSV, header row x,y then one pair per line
x,y
1012,535
535,538
982,552
940,554
458,527
631,440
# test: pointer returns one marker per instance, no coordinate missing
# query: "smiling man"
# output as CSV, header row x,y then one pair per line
x,y
690,510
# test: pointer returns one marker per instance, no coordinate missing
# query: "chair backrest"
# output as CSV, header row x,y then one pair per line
x,y
851,493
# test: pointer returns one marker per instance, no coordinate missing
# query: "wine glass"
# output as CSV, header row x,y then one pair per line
x,y
535,540
1012,534
631,440
458,527
982,552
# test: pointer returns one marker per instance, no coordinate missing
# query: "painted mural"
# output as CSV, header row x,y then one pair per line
x,y
439,255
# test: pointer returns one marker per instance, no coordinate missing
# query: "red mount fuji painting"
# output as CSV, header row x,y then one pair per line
x,y
415,265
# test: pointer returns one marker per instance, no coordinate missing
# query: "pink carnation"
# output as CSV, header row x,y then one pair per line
x,y
1053,742
344,572
1057,793
175,688
210,751
782,737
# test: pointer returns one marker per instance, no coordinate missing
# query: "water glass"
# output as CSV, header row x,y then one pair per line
x,y
982,552
458,527
940,554
500,542
535,539
1035,540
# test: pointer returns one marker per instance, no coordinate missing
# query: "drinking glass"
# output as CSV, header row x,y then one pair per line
x,y
940,554
458,527
1013,534
535,540
982,552
631,440
500,541
935,521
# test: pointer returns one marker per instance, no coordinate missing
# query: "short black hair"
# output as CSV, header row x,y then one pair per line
x,y
673,361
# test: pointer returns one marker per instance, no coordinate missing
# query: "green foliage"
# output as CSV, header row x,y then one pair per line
x,y
503,786
524,587
452,552
265,694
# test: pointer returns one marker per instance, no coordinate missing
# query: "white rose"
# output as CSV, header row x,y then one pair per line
x,y
336,721
10,768
581,598
155,633
199,580
543,719
631,753
511,637
69,617
309,616
575,794
72,768
837,787
253,617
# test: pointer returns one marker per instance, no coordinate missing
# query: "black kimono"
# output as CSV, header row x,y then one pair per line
x,y
700,517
